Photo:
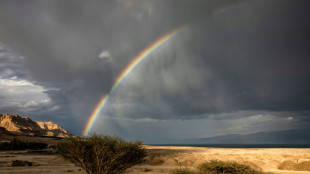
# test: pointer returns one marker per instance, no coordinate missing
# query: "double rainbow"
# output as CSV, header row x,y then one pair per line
x,y
129,68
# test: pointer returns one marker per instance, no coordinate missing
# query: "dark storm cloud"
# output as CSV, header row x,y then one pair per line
x,y
10,63
249,58
61,40
234,58
261,58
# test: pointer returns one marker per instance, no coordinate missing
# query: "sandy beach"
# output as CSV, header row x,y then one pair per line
x,y
162,159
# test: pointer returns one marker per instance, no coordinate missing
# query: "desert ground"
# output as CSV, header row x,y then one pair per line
x,y
162,159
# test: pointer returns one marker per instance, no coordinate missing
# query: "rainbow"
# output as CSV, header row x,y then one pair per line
x,y
129,68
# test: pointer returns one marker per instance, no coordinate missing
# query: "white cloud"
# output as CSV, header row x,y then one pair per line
x,y
13,82
21,93
290,118
105,54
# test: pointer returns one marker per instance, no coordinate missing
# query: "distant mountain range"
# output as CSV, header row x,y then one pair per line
x,y
294,136
14,124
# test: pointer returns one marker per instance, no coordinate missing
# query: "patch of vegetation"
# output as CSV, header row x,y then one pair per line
x,y
220,167
287,165
215,167
21,145
17,163
102,154
304,166
290,165
4,163
155,162
153,159
147,170
184,171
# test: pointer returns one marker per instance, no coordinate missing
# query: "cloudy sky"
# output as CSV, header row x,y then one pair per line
x,y
236,67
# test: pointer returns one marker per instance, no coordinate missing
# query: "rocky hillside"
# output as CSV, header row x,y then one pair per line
x,y
25,126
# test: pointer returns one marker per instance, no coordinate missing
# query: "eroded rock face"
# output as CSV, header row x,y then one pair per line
x,y
25,126
52,129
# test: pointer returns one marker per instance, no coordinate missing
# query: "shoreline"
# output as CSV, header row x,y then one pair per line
x,y
262,146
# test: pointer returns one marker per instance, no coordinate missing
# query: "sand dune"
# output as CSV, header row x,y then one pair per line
x,y
162,159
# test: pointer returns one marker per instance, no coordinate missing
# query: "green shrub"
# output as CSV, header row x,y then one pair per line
x,y
100,154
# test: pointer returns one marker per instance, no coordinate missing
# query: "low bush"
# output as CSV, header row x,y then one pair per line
x,y
21,145
100,154
220,167
17,163
304,166
290,165
184,171
155,162
287,165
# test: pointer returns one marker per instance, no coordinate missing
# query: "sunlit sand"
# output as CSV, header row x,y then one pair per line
x,y
162,159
